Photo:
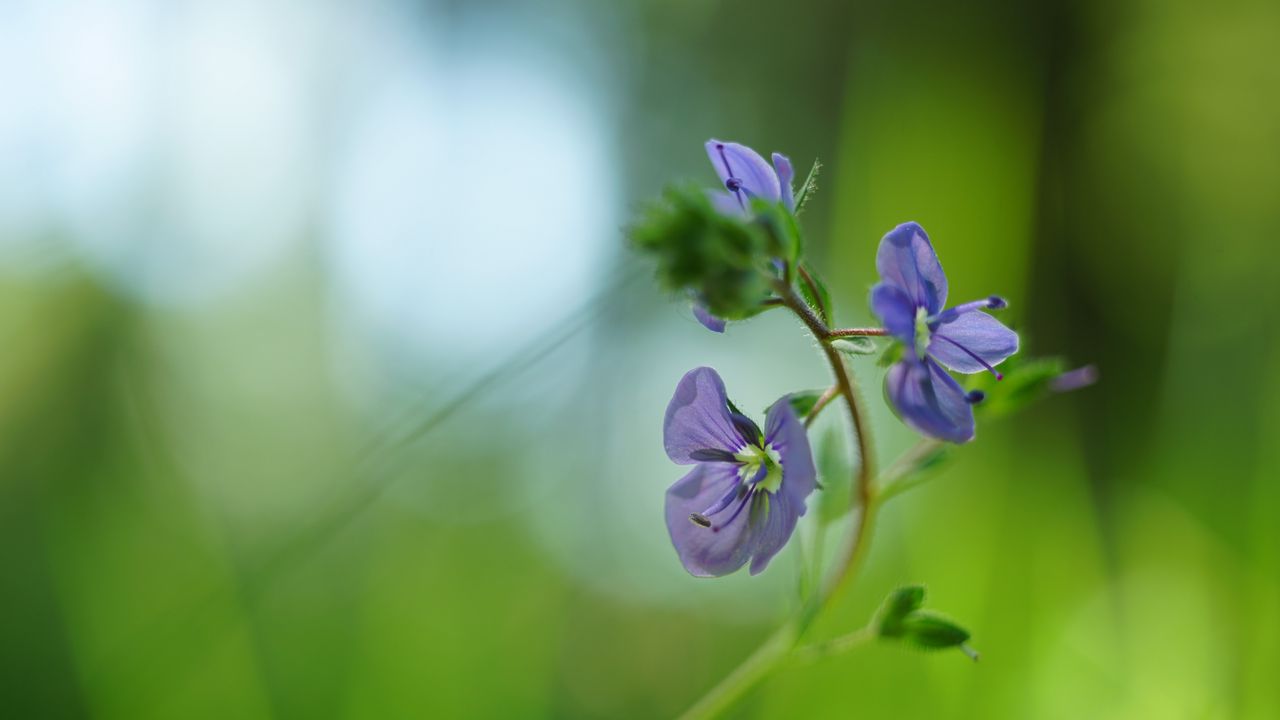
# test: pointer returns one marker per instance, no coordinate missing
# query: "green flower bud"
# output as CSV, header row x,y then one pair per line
x,y
719,259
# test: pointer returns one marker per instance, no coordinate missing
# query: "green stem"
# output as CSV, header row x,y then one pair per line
x,y
746,675
825,399
835,646
780,645
857,332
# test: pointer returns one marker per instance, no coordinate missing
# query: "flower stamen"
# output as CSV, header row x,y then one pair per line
x,y
995,302
728,170
975,356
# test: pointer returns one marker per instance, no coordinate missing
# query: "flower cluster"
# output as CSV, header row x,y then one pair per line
x,y
735,250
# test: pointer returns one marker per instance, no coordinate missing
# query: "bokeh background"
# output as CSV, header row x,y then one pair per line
x,y
329,389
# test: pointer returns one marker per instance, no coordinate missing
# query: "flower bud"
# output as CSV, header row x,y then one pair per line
x,y
719,259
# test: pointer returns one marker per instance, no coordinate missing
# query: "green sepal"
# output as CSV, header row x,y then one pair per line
x,y
808,187
928,630
890,623
723,261
855,346
785,238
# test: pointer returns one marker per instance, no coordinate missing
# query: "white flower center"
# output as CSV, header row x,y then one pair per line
x,y
752,458
923,334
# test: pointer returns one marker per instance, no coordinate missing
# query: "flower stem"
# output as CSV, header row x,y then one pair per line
x,y
746,675
857,332
825,399
781,644
835,646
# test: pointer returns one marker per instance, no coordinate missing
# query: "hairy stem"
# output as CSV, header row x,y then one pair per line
x,y
781,644
825,399
857,332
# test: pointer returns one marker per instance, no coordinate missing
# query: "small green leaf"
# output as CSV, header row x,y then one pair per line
x,y
835,475
808,187
900,603
854,346
930,631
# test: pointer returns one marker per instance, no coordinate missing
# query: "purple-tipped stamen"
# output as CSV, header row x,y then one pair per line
x,y
973,397
995,302
972,354
728,170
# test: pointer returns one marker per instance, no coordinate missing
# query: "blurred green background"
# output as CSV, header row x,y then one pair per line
x,y
329,390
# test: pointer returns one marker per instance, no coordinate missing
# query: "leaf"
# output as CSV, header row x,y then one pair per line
x,y
854,346
835,475
900,603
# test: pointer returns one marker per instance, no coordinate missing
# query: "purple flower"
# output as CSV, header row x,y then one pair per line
x,y
909,299
709,321
745,175
747,489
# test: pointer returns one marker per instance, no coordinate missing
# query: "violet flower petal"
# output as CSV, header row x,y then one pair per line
x,y
980,334
773,530
745,165
786,173
709,321
929,400
698,418
896,311
906,259
705,552
786,433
